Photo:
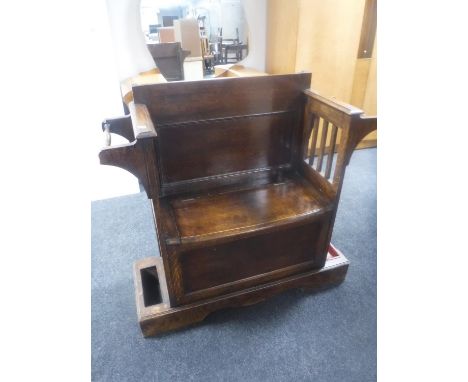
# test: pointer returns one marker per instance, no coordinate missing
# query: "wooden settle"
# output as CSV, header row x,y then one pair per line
x,y
241,209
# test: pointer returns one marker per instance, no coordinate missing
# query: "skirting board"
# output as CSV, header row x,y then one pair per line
x,y
156,316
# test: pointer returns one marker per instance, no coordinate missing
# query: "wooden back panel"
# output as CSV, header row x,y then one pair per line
x,y
223,130
224,146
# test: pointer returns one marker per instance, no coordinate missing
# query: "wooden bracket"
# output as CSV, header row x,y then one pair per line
x,y
361,126
138,156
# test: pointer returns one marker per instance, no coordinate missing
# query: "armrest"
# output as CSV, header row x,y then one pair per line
x,y
141,120
333,103
342,115
345,126
136,156
362,126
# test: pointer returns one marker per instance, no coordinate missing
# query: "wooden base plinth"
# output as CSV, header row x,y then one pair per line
x,y
156,316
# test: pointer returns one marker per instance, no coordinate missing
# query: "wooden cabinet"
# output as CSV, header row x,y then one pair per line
x,y
324,37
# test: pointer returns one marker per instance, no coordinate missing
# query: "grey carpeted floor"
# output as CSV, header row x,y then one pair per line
x,y
327,336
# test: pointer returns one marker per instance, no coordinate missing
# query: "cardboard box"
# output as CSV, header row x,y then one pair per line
x,y
166,34
187,32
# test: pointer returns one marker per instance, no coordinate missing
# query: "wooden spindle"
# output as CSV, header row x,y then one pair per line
x,y
308,121
323,142
314,139
331,151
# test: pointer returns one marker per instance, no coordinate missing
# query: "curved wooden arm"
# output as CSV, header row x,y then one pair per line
x,y
129,157
359,128
136,158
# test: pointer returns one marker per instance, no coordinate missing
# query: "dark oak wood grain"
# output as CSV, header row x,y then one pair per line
x,y
240,210
220,146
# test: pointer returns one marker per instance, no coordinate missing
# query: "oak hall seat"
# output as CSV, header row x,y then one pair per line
x,y
244,176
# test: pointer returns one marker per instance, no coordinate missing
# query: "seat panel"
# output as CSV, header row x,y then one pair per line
x,y
234,265
245,210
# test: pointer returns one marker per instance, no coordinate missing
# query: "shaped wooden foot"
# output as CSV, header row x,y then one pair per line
x,y
155,314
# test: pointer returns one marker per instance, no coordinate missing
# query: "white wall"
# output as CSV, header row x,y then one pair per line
x,y
256,12
232,17
129,42
128,39
104,98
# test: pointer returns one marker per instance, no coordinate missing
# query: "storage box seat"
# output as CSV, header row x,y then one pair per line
x,y
237,212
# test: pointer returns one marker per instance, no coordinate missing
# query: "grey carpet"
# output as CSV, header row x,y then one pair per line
x,y
327,336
